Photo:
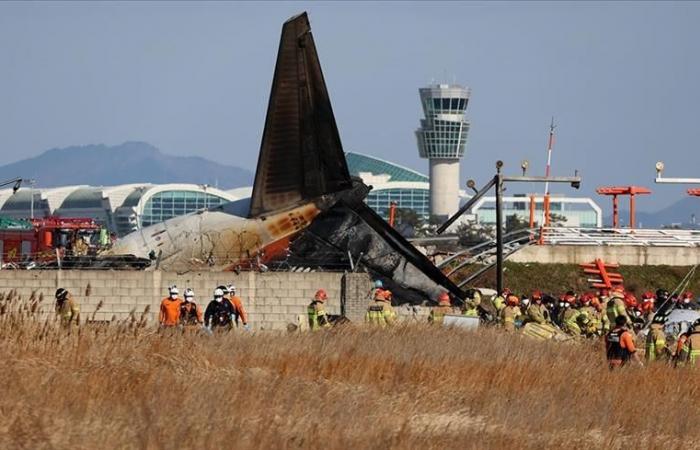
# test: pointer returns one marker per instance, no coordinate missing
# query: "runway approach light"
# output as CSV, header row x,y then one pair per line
x,y
659,168
524,164
471,184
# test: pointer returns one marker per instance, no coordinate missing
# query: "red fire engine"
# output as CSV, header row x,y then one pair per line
x,y
39,239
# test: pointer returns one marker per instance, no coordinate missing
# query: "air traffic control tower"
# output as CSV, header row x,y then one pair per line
x,y
442,138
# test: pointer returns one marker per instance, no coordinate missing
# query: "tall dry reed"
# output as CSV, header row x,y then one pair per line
x,y
130,386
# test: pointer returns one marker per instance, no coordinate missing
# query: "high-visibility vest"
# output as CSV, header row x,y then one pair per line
x,y
690,354
317,317
655,342
377,314
471,311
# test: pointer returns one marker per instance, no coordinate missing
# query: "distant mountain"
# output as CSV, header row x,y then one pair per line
x,y
681,212
130,162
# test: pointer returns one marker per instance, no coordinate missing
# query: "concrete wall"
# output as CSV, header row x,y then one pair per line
x,y
271,299
625,255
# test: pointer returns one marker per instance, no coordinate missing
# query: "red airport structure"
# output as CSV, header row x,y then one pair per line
x,y
614,191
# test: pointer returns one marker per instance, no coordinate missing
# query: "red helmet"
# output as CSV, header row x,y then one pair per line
x,y
688,295
321,295
647,306
536,295
513,300
444,299
648,295
388,295
630,300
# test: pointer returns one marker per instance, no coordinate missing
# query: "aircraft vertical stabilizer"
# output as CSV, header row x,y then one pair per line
x,y
301,156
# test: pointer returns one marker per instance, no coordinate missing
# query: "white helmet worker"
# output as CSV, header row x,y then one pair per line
x,y
189,294
232,289
223,288
173,291
218,294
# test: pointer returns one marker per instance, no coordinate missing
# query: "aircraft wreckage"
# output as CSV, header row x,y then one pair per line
x,y
304,207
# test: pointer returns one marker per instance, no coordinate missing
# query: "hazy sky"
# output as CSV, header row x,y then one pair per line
x,y
622,79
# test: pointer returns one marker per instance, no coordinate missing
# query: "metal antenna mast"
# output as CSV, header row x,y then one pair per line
x,y
547,172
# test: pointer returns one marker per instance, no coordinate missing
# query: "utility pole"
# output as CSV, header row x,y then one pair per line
x,y
499,226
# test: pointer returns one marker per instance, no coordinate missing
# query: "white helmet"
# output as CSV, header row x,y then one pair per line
x,y
218,292
232,289
189,293
173,290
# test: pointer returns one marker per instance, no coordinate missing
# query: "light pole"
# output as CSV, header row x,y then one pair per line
x,y
499,181
31,183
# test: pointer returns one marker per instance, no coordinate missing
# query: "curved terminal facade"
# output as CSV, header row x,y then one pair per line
x,y
391,183
121,209
442,139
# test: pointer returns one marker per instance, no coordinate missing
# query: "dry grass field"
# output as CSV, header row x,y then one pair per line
x,y
125,386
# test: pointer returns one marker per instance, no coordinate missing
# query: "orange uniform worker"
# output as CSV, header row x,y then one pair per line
x,y
239,310
190,311
170,308
619,345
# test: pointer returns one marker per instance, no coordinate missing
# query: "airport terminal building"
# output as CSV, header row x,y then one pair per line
x,y
127,208
121,209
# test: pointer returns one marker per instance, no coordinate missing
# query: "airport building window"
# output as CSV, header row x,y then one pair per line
x,y
166,205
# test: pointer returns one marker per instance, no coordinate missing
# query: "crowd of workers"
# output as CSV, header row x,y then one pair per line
x,y
614,314
224,312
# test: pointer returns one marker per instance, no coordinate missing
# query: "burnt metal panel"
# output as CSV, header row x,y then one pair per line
x,y
405,249
301,156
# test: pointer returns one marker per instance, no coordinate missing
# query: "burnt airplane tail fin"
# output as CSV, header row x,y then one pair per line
x,y
301,156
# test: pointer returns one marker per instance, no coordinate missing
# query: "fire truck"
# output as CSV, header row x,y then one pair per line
x,y
42,240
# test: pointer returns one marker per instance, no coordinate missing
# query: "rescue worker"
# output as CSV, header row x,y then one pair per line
x,y
190,311
592,324
510,314
687,301
524,304
688,347
437,313
380,312
317,311
615,307
537,312
219,312
662,296
471,304
559,311
239,314
655,348
647,307
619,345
170,308
67,308
499,301
571,319
378,286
